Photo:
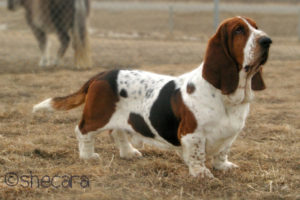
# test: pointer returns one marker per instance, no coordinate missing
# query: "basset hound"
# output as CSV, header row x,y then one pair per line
x,y
199,113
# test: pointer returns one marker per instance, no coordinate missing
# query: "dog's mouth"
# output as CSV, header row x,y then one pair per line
x,y
264,56
257,64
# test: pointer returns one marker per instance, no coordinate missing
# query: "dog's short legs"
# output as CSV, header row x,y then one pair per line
x,y
125,147
86,144
64,39
220,161
193,147
42,39
135,141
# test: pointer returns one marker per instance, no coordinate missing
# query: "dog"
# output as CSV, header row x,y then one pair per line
x,y
199,113
65,18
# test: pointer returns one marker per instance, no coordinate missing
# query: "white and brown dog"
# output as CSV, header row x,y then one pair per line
x,y
200,113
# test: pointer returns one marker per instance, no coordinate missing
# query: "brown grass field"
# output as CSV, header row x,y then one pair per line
x,y
44,144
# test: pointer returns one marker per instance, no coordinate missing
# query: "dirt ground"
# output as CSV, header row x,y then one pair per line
x,y
44,144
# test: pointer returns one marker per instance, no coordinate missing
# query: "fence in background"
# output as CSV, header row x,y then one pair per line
x,y
277,9
125,21
217,7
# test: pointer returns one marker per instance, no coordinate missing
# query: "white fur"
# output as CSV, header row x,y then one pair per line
x,y
251,44
44,105
86,144
193,148
125,147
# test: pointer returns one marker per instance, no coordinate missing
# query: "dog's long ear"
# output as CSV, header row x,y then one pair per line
x,y
257,82
220,69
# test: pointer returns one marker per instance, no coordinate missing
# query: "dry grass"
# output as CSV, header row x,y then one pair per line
x,y
267,151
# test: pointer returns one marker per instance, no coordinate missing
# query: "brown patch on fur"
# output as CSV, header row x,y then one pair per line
x,y
257,82
100,95
99,107
224,55
73,100
190,88
188,122
78,98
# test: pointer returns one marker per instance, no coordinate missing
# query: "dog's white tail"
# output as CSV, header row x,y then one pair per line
x,y
44,105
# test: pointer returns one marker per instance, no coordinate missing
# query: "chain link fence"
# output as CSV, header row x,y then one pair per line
x,y
126,33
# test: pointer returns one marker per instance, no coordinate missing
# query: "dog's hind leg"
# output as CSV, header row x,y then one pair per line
x,y
64,39
126,149
42,39
86,144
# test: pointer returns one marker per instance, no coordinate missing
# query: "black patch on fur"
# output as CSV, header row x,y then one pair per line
x,y
139,125
123,93
162,116
111,78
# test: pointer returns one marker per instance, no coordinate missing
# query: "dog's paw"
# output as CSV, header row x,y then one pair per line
x,y
201,172
132,153
95,156
91,156
225,166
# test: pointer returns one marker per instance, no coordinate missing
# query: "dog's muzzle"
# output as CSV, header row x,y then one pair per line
x,y
265,43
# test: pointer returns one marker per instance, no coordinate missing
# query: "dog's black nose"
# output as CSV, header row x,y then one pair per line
x,y
265,41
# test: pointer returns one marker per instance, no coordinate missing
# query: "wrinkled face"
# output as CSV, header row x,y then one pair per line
x,y
238,46
248,45
13,4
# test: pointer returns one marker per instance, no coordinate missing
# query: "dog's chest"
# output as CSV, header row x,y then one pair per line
x,y
217,121
225,127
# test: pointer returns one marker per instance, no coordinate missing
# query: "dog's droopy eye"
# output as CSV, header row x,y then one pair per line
x,y
239,30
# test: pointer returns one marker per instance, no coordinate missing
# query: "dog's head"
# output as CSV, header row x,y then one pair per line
x,y
237,45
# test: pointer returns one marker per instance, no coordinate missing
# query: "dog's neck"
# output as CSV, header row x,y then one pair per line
x,y
243,93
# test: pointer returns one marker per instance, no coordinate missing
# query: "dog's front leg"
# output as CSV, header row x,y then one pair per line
x,y
193,146
221,162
